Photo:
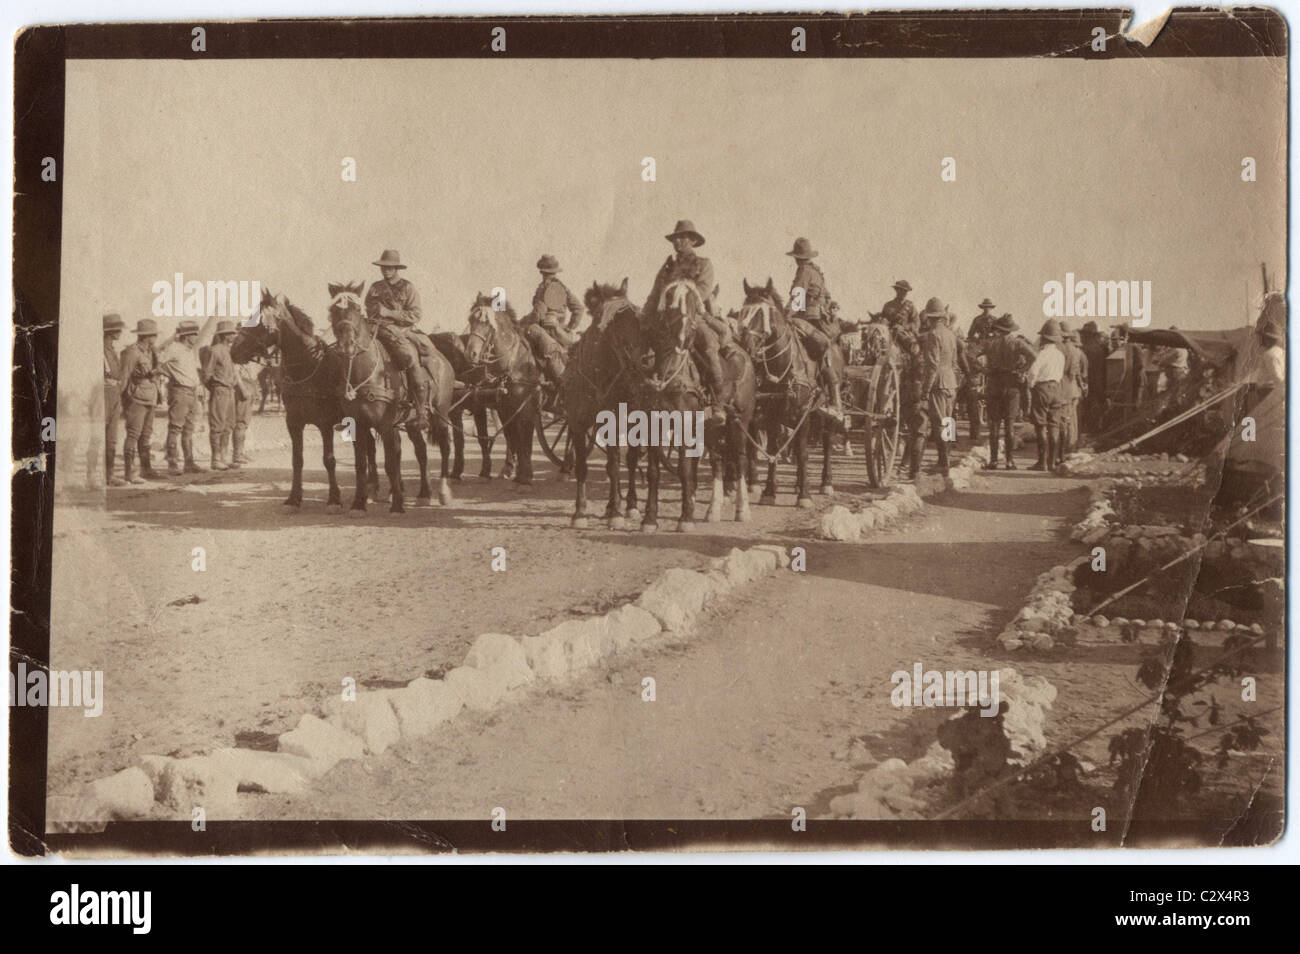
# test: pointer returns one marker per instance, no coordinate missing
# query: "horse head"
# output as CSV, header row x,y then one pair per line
x,y
347,315
260,335
481,331
680,305
762,314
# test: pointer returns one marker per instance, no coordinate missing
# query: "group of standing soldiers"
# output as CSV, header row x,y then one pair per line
x,y
192,372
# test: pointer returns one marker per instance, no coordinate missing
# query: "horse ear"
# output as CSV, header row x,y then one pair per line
x,y
770,286
266,295
356,287
334,289
623,287
745,284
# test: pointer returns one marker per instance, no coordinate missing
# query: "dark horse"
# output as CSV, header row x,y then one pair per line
x,y
602,373
789,386
675,389
307,389
372,397
496,347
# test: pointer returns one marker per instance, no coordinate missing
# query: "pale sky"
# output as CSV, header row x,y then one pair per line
x,y
1114,170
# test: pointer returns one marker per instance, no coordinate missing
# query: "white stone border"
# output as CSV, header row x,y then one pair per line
x,y
498,669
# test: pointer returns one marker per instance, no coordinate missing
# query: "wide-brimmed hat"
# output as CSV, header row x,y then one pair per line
x,y
146,327
902,285
113,322
187,328
1051,330
548,264
1006,323
935,308
686,227
987,304
225,328
802,249
1091,328
390,259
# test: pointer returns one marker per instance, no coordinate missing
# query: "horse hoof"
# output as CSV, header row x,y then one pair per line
x,y
290,509
804,503
393,510
768,500
578,522
617,523
333,508
685,526
424,501
456,477
828,490
444,495
560,477
520,487
356,513
744,516
649,528
633,515
714,516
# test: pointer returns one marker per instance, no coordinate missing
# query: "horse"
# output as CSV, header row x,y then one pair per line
x,y
467,397
600,375
497,348
372,403
674,387
306,390
789,383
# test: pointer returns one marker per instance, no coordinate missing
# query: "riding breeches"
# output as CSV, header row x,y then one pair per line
x,y
544,345
399,347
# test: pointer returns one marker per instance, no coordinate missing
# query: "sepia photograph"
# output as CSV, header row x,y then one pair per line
x,y
812,431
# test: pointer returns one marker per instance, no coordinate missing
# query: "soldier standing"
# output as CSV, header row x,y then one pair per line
x,y
219,376
711,335
814,324
394,306
1044,381
1070,393
549,327
113,325
1007,356
245,391
1095,348
940,360
981,326
139,371
179,362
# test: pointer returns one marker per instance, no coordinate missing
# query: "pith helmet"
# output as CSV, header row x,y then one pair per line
x,y
390,259
1051,330
802,249
935,308
1006,323
686,227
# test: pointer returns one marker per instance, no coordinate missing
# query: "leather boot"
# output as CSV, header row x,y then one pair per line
x,y
993,451
187,448
217,462
1040,435
1053,446
1011,446
146,465
718,385
128,466
914,457
173,455
237,458
943,455
109,459
419,391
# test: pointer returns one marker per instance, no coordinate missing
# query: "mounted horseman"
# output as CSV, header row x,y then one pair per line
x,y
550,326
711,340
393,306
819,331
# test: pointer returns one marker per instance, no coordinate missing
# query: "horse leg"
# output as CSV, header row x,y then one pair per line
x,y
393,468
294,500
650,522
425,497
439,432
580,450
522,446
801,467
632,514
363,460
485,441
718,475
773,441
739,450
828,484
613,473
335,502
458,440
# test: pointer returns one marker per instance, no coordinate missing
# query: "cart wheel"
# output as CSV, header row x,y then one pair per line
x,y
882,425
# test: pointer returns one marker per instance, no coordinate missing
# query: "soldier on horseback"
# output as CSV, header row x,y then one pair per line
x,y
711,337
393,306
546,327
899,311
815,325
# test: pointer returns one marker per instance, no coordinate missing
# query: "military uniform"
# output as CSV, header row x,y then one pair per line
x,y
112,397
814,324
245,391
941,358
901,315
1006,357
1070,393
139,373
1095,348
179,362
711,334
400,296
555,308
219,376
981,327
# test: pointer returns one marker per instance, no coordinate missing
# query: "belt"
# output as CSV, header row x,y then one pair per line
x,y
183,387
219,384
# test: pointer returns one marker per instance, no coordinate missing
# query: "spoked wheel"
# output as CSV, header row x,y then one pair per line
x,y
557,442
882,424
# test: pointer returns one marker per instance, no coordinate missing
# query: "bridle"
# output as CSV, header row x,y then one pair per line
x,y
349,302
481,316
769,351
677,296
